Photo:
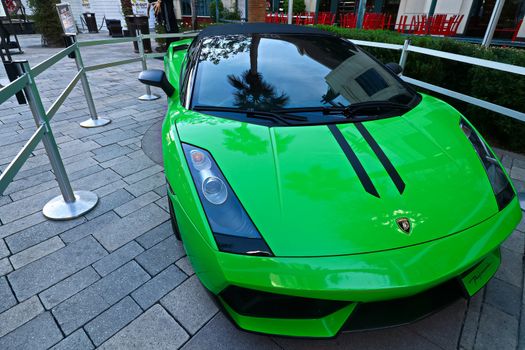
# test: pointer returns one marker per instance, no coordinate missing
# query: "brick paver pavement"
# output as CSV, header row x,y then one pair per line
x,y
117,278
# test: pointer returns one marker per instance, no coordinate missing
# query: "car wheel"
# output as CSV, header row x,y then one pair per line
x,y
174,224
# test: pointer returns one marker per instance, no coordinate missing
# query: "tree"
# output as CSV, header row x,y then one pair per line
x,y
127,8
253,91
298,6
47,22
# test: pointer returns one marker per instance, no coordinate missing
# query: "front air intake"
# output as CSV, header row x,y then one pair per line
x,y
249,302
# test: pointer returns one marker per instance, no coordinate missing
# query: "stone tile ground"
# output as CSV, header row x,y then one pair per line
x,y
117,278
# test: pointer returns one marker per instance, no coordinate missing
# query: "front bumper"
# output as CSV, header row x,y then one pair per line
x,y
359,279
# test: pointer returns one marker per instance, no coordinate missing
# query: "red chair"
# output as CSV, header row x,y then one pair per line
x,y
348,20
297,19
370,21
309,18
325,18
401,25
305,18
331,19
437,24
419,25
321,17
376,21
273,18
453,25
515,35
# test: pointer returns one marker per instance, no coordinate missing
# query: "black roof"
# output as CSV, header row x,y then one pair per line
x,y
258,28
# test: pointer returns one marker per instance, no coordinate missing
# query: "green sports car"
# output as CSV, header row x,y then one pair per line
x,y
316,192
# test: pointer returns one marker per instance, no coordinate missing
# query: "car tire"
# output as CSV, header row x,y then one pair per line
x,y
174,224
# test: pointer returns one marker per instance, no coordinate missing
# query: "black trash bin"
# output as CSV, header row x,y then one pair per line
x,y
91,22
139,25
114,27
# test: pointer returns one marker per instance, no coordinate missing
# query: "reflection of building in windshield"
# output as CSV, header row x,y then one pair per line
x,y
357,79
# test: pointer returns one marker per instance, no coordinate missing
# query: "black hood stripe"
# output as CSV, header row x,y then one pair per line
x,y
389,167
354,161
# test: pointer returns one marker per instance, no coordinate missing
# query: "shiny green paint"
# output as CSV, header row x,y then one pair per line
x,y
331,239
309,199
366,277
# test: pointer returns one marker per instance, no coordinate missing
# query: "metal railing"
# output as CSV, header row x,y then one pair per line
x,y
71,203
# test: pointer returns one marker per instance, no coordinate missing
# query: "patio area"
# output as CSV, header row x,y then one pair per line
x,y
117,278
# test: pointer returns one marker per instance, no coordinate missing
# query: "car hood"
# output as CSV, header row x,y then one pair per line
x,y
305,197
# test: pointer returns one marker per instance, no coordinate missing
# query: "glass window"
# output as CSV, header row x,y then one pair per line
x,y
271,72
203,7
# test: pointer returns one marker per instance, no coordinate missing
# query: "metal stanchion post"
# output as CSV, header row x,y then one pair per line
x,y
70,204
148,96
404,54
94,121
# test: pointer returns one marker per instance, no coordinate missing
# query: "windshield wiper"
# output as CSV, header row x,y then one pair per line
x,y
268,115
351,110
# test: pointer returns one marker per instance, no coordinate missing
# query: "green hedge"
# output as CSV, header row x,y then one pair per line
x,y
502,88
298,6
224,13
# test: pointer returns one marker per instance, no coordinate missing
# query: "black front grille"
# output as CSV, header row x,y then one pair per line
x,y
395,312
249,302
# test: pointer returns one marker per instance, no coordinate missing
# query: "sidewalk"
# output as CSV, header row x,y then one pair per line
x,y
117,278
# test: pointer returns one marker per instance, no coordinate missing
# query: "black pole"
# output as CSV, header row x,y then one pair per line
x,y
170,20
4,43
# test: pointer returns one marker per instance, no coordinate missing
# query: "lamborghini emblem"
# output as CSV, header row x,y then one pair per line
x,y
403,224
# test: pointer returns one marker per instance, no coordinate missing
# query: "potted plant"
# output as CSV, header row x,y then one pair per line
x,y
47,22
127,10
298,7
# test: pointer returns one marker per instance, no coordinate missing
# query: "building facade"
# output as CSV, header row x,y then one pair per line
x,y
476,13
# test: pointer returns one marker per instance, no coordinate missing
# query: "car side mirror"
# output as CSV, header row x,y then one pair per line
x,y
157,77
395,68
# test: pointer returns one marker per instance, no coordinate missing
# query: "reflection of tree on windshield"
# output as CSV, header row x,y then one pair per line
x,y
329,97
253,92
218,48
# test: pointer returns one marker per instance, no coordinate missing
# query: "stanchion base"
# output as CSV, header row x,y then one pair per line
x,y
95,123
58,209
521,197
147,97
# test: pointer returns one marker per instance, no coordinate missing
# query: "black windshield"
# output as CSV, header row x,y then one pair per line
x,y
270,72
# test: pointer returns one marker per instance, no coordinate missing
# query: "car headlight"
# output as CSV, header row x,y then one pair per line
x,y
498,179
232,228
